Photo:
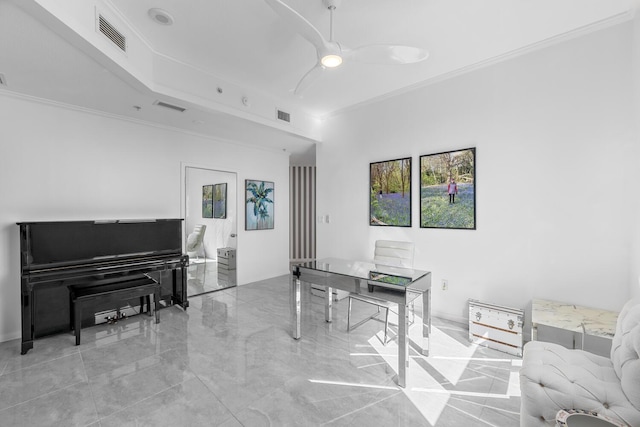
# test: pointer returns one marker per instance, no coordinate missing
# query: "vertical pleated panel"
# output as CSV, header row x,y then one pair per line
x,y
302,232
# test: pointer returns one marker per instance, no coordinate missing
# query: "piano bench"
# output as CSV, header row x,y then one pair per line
x,y
113,292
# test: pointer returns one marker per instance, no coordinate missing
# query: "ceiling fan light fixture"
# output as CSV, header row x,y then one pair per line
x,y
331,60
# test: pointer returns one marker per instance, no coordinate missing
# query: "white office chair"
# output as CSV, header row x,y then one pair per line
x,y
195,241
388,253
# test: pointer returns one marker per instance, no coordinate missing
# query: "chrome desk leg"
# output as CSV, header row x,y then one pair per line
x,y
295,307
403,343
328,307
426,321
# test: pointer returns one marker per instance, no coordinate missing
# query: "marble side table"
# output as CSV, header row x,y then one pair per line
x,y
585,321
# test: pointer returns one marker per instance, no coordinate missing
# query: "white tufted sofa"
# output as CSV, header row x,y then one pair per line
x,y
553,377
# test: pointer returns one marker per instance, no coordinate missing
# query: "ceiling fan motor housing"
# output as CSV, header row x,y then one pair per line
x,y
332,4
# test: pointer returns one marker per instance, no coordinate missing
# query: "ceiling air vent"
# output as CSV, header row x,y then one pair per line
x,y
111,33
170,106
284,116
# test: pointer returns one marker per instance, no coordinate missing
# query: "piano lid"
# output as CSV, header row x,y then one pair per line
x,y
46,244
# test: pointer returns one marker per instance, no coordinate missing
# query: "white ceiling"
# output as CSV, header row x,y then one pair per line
x,y
244,43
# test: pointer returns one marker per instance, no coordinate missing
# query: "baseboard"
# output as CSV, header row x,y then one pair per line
x,y
451,318
10,336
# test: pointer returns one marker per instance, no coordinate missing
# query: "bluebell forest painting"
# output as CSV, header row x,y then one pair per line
x,y
448,190
207,201
220,200
390,193
259,202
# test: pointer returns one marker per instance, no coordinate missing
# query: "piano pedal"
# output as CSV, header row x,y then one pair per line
x,y
114,319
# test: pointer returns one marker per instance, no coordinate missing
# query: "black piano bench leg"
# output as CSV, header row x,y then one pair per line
x,y
77,313
26,346
156,304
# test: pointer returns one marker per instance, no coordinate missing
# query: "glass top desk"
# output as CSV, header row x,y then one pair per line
x,y
391,284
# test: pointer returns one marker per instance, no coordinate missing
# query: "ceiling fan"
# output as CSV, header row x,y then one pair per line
x,y
331,53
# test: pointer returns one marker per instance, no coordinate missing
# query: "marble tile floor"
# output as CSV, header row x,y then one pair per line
x,y
229,360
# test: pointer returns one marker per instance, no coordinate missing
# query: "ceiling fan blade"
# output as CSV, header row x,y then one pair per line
x,y
309,78
388,54
299,23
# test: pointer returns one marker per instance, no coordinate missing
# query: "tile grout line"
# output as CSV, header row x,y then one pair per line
x,y
360,409
93,399
146,398
472,416
140,401
233,415
74,353
483,405
41,396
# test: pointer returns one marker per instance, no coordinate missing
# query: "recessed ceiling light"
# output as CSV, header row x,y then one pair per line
x,y
161,16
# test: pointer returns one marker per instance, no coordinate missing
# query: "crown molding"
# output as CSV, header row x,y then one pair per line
x,y
551,41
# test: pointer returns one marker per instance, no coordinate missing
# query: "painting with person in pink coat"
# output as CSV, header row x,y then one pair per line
x,y
453,174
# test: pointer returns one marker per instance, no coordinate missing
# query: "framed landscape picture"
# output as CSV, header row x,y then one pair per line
x,y
390,193
220,200
207,201
259,205
448,190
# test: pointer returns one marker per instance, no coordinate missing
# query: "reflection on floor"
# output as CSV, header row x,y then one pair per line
x,y
229,360
205,277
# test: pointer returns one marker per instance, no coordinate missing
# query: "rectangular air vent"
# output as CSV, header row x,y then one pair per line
x,y
284,116
170,106
3,80
111,33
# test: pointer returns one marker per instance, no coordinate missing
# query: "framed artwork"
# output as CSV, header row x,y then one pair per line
x,y
259,205
448,190
207,201
220,200
390,193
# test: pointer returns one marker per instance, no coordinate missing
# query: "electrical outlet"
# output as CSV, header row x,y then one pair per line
x,y
445,284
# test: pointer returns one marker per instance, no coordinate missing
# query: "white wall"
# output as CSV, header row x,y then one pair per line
x,y
219,230
62,164
555,143
635,179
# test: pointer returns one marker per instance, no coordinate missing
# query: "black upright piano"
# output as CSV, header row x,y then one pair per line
x,y
55,255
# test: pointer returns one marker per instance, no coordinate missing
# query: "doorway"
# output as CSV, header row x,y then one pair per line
x,y
210,213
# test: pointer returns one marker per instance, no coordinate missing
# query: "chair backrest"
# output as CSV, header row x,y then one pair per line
x,y
195,239
199,230
625,351
394,253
